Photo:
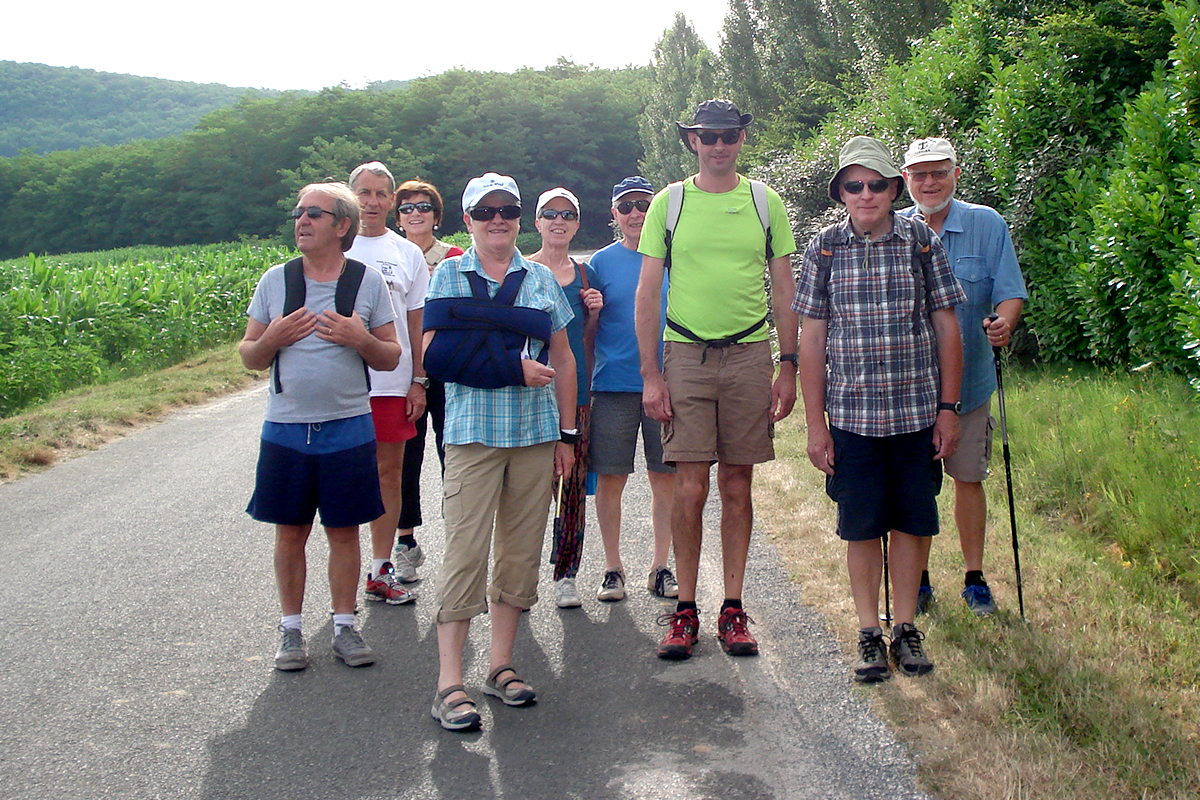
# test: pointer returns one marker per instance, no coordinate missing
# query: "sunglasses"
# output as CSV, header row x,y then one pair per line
x,y
408,208
936,174
709,138
313,211
487,213
625,206
550,213
877,186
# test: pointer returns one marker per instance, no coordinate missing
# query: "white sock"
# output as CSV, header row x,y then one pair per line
x,y
377,566
342,621
292,621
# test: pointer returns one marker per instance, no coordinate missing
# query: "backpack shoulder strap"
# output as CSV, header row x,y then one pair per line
x,y
674,207
758,194
922,267
581,266
293,285
826,244
347,287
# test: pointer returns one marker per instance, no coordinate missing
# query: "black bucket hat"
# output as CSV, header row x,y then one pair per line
x,y
719,115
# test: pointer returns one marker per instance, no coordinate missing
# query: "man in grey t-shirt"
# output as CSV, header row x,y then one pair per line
x,y
318,443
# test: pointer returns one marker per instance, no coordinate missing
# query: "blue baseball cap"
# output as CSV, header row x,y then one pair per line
x,y
634,183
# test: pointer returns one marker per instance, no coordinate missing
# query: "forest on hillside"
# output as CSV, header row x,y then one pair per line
x,y
1077,119
44,108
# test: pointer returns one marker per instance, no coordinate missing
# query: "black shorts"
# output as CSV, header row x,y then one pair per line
x,y
882,484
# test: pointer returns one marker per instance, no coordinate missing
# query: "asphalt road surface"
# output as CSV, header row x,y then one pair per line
x,y
139,615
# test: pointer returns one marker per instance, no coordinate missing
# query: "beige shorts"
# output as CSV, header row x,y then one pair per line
x,y
969,463
721,407
497,501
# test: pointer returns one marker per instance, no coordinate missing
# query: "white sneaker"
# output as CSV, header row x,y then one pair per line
x,y
568,595
405,561
612,588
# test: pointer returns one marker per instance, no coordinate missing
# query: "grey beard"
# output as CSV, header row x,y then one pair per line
x,y
929,211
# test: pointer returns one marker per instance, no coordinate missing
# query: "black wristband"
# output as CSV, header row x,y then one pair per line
x,y
792,357
569,437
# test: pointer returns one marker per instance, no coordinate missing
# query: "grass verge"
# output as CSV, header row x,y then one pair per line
x,y
84,419
1097,695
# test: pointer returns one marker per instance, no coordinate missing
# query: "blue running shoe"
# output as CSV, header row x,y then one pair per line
x,y
925,599
979,599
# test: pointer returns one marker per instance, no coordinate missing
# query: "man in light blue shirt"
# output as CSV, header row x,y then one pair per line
x,y
977,241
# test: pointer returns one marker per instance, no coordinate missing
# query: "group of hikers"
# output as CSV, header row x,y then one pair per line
x,y
537,370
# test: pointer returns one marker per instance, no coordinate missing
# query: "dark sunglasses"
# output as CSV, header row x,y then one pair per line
x,y
313,211
550,213
877,186
625,206
487,213
709,138
408,208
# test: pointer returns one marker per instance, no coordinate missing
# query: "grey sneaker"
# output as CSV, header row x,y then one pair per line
x,y
292,654
872,665
412,556
662,582
979,599
348,645
567,593
907,651
612,588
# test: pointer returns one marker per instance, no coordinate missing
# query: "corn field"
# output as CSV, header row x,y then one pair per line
x,y
75,320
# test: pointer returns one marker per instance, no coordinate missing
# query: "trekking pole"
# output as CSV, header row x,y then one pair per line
x,y
886,616
1012,509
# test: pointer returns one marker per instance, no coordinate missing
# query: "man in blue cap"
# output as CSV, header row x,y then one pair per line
x,y
716,392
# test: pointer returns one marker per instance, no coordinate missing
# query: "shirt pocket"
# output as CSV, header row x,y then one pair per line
x,y
975,278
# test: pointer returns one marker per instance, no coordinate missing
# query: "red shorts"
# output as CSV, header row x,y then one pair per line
x,y
390,415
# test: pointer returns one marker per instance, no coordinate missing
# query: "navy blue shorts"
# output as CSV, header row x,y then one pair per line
x,y
328,467
882,484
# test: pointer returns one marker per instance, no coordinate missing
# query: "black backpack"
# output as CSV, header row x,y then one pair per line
x,y
344,297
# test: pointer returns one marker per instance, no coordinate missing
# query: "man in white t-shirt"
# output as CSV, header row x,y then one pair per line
x,y
397,397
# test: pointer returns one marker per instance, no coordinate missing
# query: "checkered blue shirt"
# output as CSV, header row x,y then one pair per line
x,y
511,416
882,376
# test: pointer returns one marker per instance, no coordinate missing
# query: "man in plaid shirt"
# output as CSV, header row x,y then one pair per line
x,y
880,371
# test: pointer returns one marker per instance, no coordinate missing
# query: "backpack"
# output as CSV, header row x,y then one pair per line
x,y
675,194
922,261
481,339
344,297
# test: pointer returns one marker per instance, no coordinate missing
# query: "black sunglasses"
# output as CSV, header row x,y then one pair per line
x,y
625,206
408,208
709,138
487,213
313,211
876,186
550,213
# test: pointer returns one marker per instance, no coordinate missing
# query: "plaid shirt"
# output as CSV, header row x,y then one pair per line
x,y
882,375
511,416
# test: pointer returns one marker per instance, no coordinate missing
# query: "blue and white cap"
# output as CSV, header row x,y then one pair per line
x,y
634,183
478,188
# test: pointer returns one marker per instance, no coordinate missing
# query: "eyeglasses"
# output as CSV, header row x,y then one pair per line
x,y
487,213
625,206
550,213
709,138
408,208
313,211
936,174
876,186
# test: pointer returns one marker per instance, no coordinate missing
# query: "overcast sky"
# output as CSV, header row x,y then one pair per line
x,y
270,45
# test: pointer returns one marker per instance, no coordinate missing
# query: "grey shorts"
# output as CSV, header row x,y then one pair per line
x,y
969,463
616,417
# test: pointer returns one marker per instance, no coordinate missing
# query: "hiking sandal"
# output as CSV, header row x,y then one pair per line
x,y
508,694
447,712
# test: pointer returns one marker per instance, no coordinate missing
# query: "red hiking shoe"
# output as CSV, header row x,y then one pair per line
x,y
684,632
734,635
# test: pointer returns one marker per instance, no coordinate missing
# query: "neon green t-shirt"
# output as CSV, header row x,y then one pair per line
x,y
718,256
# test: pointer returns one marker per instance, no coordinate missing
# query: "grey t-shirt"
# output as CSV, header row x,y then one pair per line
x,y
321,381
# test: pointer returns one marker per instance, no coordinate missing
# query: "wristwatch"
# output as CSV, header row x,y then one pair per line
x,y
955,407
569,436
792,357
421,380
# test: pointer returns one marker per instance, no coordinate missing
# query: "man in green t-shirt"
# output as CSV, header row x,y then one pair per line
x,y
716,392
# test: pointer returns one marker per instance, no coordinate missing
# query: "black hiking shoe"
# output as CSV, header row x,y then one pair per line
x,y
907,652
872,666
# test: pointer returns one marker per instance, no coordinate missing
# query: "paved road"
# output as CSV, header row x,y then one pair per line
x,y
139,621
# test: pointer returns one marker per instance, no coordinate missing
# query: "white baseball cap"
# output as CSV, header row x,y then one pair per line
x,y
478,188
550,194
935,148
